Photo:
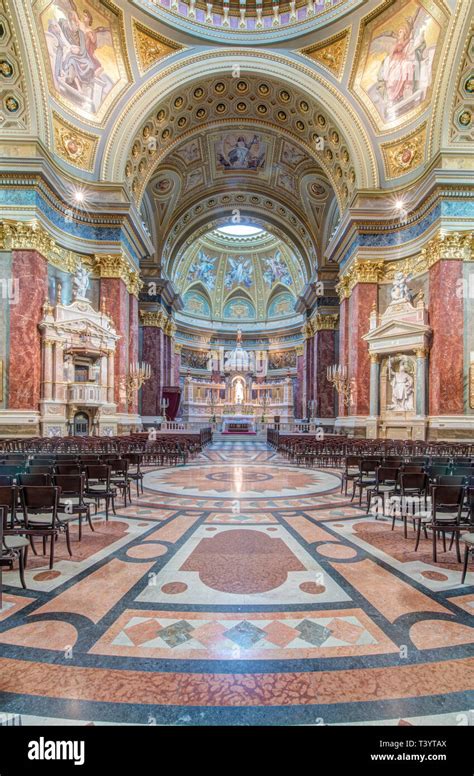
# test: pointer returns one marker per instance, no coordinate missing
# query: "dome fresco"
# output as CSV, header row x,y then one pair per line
x,y
226,278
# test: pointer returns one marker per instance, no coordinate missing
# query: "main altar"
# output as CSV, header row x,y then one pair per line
x,y
236,399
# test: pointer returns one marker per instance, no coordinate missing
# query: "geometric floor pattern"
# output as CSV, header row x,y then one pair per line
x,y
239,589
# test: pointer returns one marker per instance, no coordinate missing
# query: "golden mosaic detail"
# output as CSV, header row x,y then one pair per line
x,y
404,155
462,115
72,145
150,47
330,53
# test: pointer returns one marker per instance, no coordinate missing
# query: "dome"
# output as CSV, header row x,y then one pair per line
x,y
238,275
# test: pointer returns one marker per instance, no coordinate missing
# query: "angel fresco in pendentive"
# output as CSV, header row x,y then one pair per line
x,y
203,268
81,52
275,270
240,273
399,68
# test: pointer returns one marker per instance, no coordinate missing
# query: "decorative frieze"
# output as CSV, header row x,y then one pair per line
x,y
158,319
320,322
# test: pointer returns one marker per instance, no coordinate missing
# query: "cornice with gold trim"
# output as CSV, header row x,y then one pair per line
x,y
360,271
320,322
158,319
116,265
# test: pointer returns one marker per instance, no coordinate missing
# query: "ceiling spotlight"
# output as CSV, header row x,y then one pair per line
x,y
399,204
79,196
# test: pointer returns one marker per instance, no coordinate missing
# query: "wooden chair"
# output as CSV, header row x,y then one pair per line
x,y
14,545
446,510
73,501
40,510
99,486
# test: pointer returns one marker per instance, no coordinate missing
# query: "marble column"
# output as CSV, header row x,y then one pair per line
x,y
58,372
446,379
325,355
361,302
299,401
152,347
30,273
133,344
116,295
343,346
421,375
309,361
177,364
374,385
47,370
110,377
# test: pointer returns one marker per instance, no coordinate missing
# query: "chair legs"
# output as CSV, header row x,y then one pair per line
x,y
466,559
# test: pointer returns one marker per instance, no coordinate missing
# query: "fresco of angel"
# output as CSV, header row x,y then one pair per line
x,y
399,67
276,270
76,43
240,273
203,268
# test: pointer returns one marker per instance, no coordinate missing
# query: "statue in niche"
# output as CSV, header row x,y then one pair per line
x,y
81,282
402,384
400,291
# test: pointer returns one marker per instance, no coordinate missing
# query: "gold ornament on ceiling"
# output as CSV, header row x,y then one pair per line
x,y
151,47
462,115
72,145
330,53
404,155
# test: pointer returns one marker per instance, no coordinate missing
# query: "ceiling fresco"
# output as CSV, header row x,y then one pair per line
x,y
251,278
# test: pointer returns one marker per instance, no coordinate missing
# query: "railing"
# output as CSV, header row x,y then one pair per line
x,y
86,393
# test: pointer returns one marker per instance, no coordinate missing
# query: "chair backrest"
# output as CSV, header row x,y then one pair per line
x,y
8,496
387,474
463,471
412,468
10,471
98,472
452,479
70,484
352,461
6,479
413,481
367,465
447,495
34,479
68,468
120,465
40,469
437,471
40,498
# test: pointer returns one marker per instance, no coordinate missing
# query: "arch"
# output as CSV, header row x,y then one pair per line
x,y
293,73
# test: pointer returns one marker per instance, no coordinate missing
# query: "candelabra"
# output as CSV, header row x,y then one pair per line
x,y
263,402
138,373
337,375
165,403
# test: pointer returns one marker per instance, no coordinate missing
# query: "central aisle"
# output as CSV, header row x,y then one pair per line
x,y
238,589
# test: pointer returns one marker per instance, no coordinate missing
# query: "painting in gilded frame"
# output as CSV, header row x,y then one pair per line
x,y
397,59
84,54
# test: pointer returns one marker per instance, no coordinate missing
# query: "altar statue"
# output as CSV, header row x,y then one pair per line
x,y
402,387
239,393
400,291
81,282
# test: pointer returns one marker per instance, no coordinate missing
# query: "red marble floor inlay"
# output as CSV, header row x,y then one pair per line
x,y
332,550
242,561
44,576
312,587
147,550
431,634
172,588
47,634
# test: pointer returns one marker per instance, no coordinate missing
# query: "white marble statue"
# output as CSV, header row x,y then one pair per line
x,y
402,387
400,291
81,282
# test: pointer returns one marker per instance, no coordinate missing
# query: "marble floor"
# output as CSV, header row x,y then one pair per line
x,y
239,589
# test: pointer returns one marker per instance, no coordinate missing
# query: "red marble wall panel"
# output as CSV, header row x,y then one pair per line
x,y
309,361
361,301
151,353
116,296
343,343
325,353
447,350
133,341
300,376
29,268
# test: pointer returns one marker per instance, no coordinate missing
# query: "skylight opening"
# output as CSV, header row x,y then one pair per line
x,y
240,230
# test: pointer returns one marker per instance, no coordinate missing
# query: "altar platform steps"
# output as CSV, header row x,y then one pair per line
x,y
218,436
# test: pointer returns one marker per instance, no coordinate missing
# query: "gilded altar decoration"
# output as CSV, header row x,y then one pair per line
x,y
84,53
330,53
397,58
151,47
74,146
403,156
